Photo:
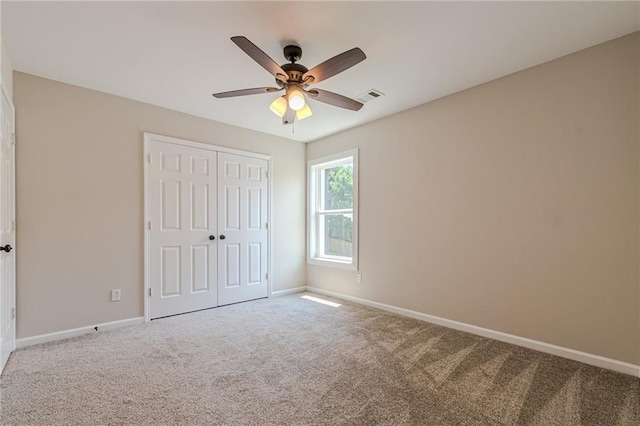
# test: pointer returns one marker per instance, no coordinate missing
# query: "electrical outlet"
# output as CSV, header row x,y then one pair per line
x,y
358,278
115,295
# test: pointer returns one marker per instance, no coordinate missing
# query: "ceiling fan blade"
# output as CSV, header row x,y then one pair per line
x,y
334,99
260,57
289,117
335,65
245,92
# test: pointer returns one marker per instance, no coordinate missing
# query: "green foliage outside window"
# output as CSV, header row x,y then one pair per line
x,y
339,195
339,188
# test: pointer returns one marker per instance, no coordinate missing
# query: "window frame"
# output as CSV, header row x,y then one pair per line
x,y
314,192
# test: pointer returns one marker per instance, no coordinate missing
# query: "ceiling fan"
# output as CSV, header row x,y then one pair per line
x,y
295,80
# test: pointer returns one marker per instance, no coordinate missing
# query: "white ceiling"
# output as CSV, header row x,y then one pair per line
x,y
176,54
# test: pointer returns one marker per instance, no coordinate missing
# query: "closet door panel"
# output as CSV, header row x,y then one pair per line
x,y
242,225
182,257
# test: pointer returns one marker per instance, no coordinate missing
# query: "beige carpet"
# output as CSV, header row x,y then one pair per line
x,y
292,361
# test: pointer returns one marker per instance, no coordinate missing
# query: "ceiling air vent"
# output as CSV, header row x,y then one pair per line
x,y
369,95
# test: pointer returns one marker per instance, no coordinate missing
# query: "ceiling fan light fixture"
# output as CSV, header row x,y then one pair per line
x,y
279,106
304,112
295,97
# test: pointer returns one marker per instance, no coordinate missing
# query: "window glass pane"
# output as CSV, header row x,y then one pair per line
x,y
338,235
338,187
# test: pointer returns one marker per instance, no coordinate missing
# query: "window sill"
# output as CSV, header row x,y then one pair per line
x,y
333,263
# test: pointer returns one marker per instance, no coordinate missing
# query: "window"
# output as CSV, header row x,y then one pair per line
x,y
333,210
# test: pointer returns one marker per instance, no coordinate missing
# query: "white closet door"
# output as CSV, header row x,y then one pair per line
x,y
242,225
7,230
183,238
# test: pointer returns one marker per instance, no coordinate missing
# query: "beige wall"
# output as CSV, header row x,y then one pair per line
x,y
80,201
512,205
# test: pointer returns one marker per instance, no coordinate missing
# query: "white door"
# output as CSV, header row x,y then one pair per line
x,y
7,231
242,225
183,238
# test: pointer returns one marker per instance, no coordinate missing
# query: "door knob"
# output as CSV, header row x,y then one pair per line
x,y
222,237
6,248
212,237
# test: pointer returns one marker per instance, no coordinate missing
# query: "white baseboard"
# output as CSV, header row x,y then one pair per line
x,y
288,291
587,358
74,332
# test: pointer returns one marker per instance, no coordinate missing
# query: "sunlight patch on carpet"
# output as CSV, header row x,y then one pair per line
x,y
318,300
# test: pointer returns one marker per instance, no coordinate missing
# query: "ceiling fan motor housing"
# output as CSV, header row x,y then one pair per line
x,y
295,72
